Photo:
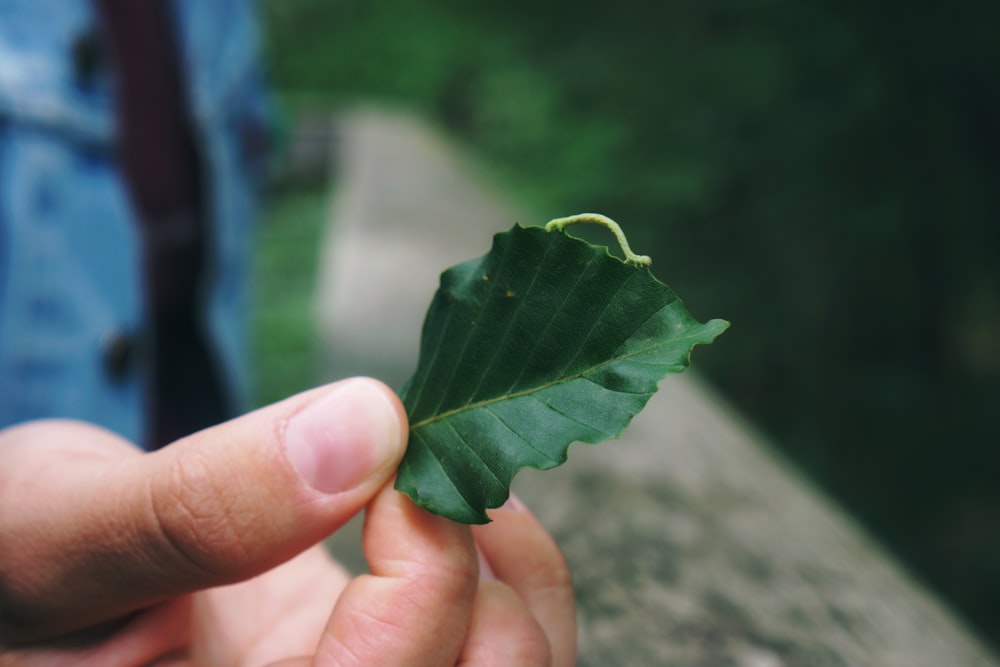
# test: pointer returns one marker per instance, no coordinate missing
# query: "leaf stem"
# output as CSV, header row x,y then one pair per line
x,y
560,224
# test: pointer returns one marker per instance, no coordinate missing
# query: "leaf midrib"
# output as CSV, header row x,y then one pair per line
x,y
533,390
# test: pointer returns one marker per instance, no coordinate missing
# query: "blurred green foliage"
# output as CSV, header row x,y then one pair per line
x,y
284,270
823,174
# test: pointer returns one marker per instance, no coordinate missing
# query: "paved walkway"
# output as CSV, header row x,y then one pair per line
x,y
690,541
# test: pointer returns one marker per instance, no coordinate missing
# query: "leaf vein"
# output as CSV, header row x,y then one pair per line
x,y
470,334
472,450
516,433
553,383
558,311
617,391
438,460
510,324
593,325
572,418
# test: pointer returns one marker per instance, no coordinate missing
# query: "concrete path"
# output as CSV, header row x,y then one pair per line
x,y
690,541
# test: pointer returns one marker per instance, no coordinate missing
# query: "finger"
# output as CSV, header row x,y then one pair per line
x,y
414,608
522,554
90,532
143,640
278,614
503,631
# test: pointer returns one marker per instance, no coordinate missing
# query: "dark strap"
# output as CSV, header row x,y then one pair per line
x,y
158,153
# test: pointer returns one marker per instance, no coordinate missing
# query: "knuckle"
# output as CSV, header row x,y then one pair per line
x,y
447,582
554,573
196,526
549,575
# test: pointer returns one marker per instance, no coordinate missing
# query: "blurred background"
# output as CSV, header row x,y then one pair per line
x,y
824,175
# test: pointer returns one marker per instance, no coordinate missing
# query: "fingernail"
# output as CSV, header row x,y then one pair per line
x,y
513,503
485,571
344,437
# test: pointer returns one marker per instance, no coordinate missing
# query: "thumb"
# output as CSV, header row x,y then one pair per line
x,y
90,530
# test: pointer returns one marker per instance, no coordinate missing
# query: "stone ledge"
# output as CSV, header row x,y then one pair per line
x,y
692,543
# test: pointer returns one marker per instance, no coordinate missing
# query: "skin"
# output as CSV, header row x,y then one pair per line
x,y
205,552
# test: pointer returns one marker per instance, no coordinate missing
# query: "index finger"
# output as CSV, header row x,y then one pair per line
x,y
414,607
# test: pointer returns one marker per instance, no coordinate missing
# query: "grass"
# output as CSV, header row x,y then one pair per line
x,y
286,254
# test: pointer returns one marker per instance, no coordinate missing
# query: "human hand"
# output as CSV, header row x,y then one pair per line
x,y
203,553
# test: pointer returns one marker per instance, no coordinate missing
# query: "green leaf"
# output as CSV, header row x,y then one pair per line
x,y
545,341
